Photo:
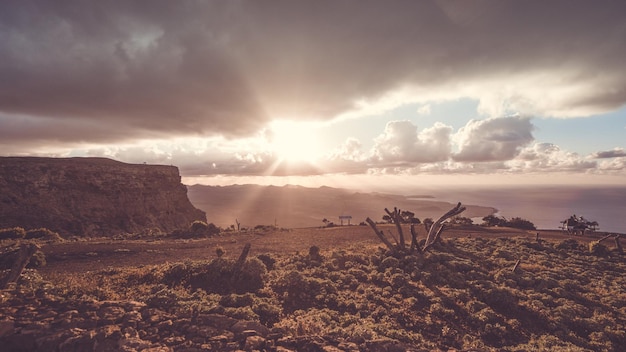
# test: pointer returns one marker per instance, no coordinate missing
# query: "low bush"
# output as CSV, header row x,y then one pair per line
x,y
197,229
12,233
462,295
597,248
222,276
43,234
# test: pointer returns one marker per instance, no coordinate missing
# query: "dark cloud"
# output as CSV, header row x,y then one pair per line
x,y
117,70
615,153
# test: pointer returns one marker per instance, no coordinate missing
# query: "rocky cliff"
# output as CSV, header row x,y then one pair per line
x,y
92,196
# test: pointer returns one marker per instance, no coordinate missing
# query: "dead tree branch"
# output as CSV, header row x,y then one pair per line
x,y
397,219
437,227
516,265
414,243
380,234
394,239
616,237
434,231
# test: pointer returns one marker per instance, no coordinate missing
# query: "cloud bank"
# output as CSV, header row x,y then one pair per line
x,y
503,145
197,83
110,71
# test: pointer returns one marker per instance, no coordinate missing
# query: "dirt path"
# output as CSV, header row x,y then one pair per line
x,y
80,257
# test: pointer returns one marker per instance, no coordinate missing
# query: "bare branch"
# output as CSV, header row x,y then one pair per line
x,y
414,244
380,234
438,234
437,227
605,238
394,238
516,265
397,220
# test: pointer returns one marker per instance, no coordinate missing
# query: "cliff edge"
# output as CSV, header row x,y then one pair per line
x,y
92,196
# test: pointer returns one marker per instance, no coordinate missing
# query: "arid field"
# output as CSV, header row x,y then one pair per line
x,y
321,289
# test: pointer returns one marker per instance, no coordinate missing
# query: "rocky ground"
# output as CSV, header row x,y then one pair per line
x,y
175,295
42,321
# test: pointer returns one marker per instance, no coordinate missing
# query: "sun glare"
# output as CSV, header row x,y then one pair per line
x,y
295,141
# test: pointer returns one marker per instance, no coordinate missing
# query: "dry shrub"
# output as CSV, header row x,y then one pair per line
x,y
197,229
9,255
12,233
569,244
43,234
597,248
300,291
221,276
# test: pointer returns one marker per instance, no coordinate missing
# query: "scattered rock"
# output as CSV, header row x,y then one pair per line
x,y
247,328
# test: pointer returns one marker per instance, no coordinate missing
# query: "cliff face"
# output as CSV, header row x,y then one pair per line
x,y
92,196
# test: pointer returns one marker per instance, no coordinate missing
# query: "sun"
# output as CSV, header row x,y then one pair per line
x,y
295,142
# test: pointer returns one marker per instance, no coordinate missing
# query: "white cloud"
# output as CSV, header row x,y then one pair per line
x,y
542,157
493,139
424,110
401,143
351,149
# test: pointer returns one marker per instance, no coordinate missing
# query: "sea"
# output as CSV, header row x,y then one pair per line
x,y
547,206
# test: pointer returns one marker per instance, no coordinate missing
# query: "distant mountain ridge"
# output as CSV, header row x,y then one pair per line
x,y
296,206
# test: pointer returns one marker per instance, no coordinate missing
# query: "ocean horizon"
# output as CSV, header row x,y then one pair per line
x,y
547,206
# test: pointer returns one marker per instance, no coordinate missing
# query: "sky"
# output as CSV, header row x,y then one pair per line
x,y
322,92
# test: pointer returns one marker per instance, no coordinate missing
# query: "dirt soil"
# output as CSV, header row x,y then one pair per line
x,y
97,254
